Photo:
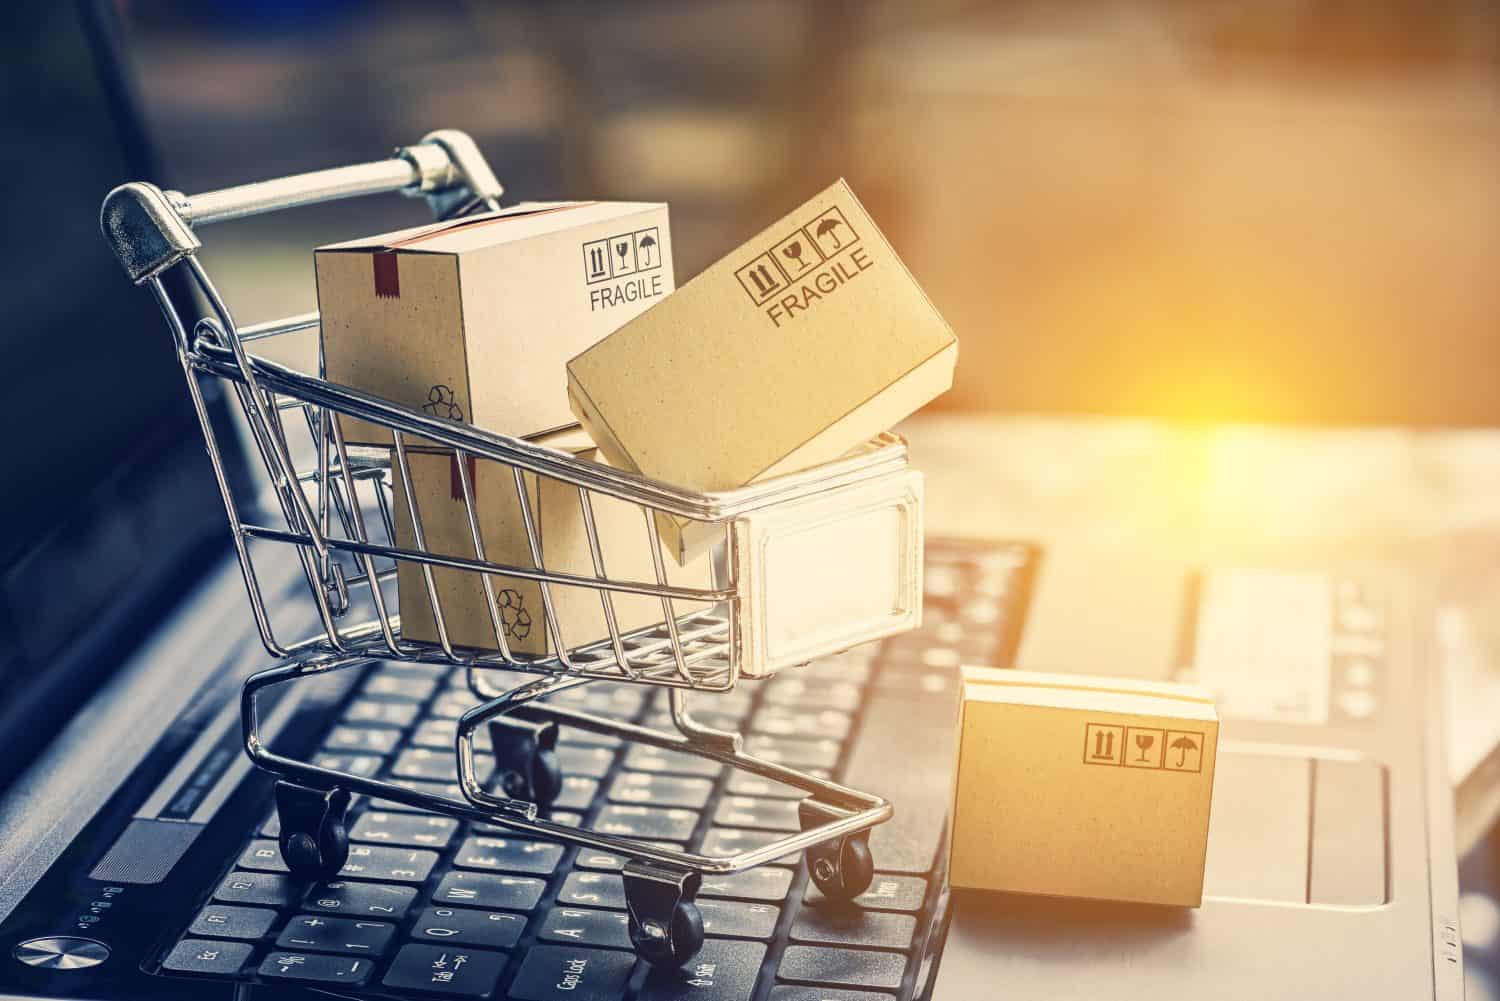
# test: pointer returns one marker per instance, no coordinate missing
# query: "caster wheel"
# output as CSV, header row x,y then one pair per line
x,y
546,777
851,875
314,839
671,949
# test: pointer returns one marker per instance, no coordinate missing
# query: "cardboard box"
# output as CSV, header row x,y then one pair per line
x,y
1071,786
474,319
624,540
797,347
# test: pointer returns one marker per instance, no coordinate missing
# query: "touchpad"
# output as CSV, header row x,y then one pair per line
x,y
1297,830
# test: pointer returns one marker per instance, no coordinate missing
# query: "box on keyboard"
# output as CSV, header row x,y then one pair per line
x,y
1071,786
625,541
801,345
473,320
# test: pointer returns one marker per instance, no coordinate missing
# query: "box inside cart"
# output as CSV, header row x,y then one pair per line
x,y
625,540
806,341
473,320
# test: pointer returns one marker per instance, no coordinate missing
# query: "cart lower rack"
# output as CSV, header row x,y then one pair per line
x,y
809,564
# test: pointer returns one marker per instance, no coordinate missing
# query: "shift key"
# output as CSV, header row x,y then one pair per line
x,y
905,753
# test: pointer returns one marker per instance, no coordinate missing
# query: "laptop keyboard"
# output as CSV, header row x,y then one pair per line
x,y
433,906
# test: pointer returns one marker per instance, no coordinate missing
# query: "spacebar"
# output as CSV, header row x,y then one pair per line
x,y
905,753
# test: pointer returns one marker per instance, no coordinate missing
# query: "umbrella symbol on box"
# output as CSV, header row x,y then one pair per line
x,y
826,228
647,242
1182,745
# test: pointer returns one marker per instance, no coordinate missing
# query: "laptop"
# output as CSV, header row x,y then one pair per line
x,y
137,845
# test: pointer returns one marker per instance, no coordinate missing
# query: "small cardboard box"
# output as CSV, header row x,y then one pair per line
x,y
624,540
797,347
473,319
1071,786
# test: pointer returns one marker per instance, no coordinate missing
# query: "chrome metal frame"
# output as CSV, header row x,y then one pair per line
x,y
344,562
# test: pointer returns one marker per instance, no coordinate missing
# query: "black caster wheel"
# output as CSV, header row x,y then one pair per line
x,y
314,839
670,948
842,871
666,927
527,758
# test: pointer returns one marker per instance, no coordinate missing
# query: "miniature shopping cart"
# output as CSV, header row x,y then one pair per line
x,y
810,564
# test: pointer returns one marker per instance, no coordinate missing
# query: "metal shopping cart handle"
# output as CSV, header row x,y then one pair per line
x,y
151,229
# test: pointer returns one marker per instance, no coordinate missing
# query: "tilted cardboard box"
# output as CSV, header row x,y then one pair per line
x,y
799,346
1071,786
625,542
474,319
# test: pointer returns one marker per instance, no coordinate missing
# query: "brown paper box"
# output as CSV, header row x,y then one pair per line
x,y
797,347
474,319
624,541
1071,786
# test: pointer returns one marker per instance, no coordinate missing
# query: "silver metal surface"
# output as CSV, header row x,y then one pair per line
x,y
336,517
61,952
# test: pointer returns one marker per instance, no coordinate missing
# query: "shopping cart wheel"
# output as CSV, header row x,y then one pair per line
x,y
843,867
314,840
666,927
526,759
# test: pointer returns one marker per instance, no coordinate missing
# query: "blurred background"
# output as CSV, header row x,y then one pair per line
x,y
1280,210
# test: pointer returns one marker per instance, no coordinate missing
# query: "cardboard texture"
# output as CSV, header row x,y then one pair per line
x,y
1070,786
473,320
805,342
624,540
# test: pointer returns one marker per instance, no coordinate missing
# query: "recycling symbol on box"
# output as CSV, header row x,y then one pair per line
x,y
513,615
442,403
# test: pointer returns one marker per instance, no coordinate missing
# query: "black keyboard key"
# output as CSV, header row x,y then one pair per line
x,y
902,771
642,758
590,762
320,933
723,970
796,992
414,830
646,788
593,889
519,855
445,790
309,967
363,765
363,739
451,972
763,883
452,704
812,964
389,865
650,822
442,735
743,783
813,724
428,764
723,841
794,753
585,926
262,856
762,814
803,693
555,971
268,888
737,919
225,921
381,713
886,893
490,891
846,925
466,926
405,688
577,793
364,900
590,858
193,955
